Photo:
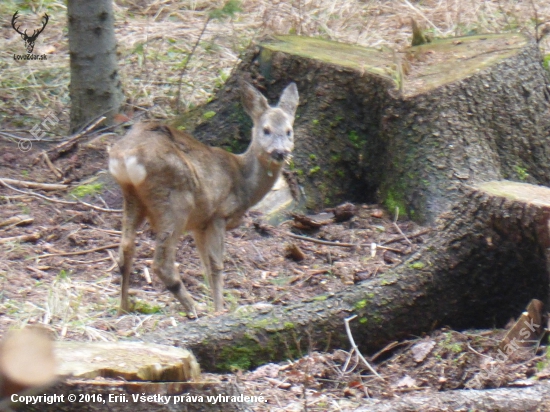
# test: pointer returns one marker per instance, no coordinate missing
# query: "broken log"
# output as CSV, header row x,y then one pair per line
x,y
489,259
403,128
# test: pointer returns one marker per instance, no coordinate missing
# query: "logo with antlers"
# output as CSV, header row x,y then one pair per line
x,y
29,40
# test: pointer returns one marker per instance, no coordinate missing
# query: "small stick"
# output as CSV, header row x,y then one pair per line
x,y
322,242
390,249
34,185
356,349
386,348
80,252
3,182
146,275
66,145
99,208
33,237
64,202
398,228
411,236
19,220
50,165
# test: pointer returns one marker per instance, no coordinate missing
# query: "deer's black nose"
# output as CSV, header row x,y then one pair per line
x,y
279,155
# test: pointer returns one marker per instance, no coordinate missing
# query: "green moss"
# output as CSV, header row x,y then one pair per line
x,y
208,115
394,199
289,325
417,265
85,190
314,170
315,122
312,157
141,306
236,358
546,62
363,321
521,172
360,304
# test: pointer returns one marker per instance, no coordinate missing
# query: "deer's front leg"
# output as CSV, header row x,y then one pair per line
x,y
210,244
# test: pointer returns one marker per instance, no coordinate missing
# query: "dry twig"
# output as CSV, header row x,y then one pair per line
x,y
356,349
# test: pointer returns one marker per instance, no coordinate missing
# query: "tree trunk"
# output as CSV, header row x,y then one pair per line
x,y
406,129
532,399
489,259
95,88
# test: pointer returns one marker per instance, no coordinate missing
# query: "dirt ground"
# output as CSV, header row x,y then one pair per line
x,y
63,272
59,279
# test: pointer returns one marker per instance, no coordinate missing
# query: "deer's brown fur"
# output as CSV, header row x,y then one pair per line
x,y
180,184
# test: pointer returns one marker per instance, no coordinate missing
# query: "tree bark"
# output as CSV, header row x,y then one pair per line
x,y
489,259
406,129
531,399
95,89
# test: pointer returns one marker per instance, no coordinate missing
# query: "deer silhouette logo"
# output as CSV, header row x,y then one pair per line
x,y
29,40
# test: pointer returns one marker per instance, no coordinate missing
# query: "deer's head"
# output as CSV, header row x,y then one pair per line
x,y
29,40
272,130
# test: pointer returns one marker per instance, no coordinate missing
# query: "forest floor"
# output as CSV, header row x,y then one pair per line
x,y
58,279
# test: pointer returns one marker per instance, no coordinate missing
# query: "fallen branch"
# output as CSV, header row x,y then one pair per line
x,y
411,236
67,145
64,202
50,165
322,242
33,237
34,185
80,252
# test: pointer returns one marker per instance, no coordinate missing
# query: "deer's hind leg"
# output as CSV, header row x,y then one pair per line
x,y
134,214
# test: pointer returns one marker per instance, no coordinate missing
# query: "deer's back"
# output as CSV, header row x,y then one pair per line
x,y
160,164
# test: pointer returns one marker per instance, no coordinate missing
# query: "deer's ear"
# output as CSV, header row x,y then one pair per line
x,y
289,100
253,101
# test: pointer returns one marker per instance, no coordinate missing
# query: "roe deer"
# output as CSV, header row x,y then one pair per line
x,y
181,184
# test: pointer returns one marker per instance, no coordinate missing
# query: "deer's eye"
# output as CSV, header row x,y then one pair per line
x,y
288,133
267,132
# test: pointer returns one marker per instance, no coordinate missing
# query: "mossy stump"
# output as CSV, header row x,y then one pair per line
x,y
488,260
404,128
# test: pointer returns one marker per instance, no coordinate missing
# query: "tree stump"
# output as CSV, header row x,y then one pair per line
x,y
403,128
120,376
490,258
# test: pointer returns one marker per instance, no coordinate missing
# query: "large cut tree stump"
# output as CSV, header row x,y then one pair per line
x,y
119,376
408,128
489,259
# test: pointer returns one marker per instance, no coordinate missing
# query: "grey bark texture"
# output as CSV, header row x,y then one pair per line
x,y
405,129
489,259
531,399
95,89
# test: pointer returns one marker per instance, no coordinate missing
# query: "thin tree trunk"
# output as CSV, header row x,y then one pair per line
x,y
95,88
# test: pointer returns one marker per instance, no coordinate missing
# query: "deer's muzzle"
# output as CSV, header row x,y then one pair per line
x,y
280,155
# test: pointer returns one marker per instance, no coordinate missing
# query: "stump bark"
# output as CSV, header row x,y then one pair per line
x,y
489,259
406,129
